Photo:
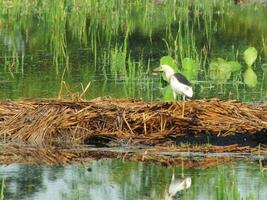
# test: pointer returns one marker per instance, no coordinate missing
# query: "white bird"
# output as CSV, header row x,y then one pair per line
x,y
177,185
179,83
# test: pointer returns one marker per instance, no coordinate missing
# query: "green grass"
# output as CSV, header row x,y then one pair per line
x,y
101,25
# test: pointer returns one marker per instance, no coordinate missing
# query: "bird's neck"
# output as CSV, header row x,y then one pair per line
x,y
169,74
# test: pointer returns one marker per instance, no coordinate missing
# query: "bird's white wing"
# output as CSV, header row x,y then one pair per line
x,y
180,88
177,185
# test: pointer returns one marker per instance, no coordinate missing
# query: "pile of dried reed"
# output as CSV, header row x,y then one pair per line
x,y
124,120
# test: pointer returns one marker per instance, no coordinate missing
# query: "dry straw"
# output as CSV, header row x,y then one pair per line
x,y
124,120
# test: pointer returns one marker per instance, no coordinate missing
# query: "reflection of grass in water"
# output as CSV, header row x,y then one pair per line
x,y
133,179
2,197
136,180
227,188
264,44
14,63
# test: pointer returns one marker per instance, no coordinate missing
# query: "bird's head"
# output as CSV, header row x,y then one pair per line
x,y
169,71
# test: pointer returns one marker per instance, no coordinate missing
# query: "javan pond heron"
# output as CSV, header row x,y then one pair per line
x,y
178,82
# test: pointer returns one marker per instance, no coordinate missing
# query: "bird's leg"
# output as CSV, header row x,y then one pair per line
x,y
173,176
174,98
183,106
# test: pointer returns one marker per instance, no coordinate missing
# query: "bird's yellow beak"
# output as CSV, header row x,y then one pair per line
x,y
158,69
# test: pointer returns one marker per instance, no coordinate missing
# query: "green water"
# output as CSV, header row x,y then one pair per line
x,y
115,180
113,45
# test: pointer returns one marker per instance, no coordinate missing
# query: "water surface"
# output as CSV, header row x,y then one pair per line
x,y
113,179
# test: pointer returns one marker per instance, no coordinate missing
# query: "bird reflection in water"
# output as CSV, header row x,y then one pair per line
x,y
177,186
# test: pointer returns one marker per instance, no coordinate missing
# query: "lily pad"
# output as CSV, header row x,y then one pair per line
x,y
190,74
220,70
189,64
235,66
190,68
250,55
250,77
167,93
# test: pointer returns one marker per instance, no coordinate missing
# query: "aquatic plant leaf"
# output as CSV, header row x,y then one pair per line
x,y
235,66
250,55
189,64
224,64
220,70
190,74
250,77
189,68
167,93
